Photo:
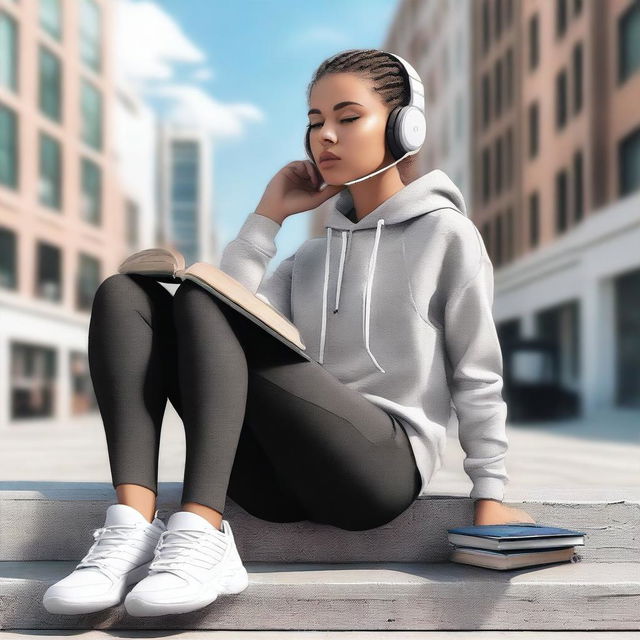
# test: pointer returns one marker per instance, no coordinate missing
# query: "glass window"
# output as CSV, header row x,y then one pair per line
x,y
629,42
8,260
485,26
50,185
578,186
577,78
91,115
51,17
83,399
91,209
49,272
533,129
534,221
88,281
486,100
32,381
498,87
486,175
629,163
497,171
8,52
509,12
50,84
8,147
561,99
90,34
561,17
509,76
510,240
561,200
509,158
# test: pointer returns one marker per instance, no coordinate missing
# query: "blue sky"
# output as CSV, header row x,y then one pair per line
x,y
242,68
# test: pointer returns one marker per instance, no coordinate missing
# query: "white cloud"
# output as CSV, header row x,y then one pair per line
x,y
148,42
190,105
202,74
149,45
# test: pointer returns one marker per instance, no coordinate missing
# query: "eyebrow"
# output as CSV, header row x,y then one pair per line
x,y
337,106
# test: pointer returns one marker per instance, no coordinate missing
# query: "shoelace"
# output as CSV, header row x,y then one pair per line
x,y
183,547
107,544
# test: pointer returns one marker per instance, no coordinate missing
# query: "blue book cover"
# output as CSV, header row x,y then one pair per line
x,y
514,531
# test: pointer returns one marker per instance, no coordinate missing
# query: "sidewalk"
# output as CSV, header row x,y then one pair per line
x,y
565,456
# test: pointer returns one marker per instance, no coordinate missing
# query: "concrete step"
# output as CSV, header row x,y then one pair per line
x,y
54,520
333,635
366,596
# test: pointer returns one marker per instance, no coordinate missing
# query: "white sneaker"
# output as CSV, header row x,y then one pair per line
x,y
120,555
194,564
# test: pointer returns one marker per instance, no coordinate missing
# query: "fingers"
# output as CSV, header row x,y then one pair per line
x,y
304,171
311,174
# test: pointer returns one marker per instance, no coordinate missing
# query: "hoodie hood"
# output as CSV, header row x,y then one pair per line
x,y
432,191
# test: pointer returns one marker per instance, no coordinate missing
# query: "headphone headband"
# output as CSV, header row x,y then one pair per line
x,y
416,88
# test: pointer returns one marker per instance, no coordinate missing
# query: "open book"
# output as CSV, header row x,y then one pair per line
x,y
168,265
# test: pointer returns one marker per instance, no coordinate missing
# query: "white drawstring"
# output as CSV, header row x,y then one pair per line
x,y
340,271
366,301
324,295
367,293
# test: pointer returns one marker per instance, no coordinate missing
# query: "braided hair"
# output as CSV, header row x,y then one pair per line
x,y
389,81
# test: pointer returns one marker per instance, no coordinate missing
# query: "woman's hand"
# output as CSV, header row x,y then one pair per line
x,y
293,189
488,511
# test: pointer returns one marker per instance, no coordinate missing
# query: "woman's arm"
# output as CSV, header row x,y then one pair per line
x,y
476,384
247,257
293,189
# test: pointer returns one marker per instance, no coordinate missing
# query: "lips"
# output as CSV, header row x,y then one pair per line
x,y
326,156
328,159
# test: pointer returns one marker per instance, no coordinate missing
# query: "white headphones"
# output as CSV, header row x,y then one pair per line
x,y
406,127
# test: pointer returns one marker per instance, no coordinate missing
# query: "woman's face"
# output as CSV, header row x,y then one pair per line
x,y
353,132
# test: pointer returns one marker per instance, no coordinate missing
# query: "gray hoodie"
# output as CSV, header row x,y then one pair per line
x,y
399,307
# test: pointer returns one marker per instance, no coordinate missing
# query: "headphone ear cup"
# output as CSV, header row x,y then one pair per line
x,y
391,133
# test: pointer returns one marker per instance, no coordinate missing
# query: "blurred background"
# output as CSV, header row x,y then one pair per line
x,y
129,124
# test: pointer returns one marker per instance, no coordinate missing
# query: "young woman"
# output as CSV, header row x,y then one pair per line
x,y
394,306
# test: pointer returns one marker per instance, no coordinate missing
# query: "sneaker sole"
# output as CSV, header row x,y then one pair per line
x,y
60,605
232,584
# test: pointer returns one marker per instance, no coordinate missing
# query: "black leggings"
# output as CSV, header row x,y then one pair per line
x,y
284,438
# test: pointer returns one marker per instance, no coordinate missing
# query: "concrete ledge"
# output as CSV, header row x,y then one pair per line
x,y
37,516
366,596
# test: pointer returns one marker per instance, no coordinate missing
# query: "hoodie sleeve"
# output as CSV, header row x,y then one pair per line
x,y
247,257
476,382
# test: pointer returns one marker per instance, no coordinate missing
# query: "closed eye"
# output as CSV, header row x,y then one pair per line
x,y
317,124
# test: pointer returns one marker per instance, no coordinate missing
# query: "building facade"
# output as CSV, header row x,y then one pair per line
x,y
61,229
558,204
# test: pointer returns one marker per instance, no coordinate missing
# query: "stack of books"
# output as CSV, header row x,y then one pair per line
x,y
512,546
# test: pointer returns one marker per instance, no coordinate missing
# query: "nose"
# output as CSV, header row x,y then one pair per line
x,y
328,135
